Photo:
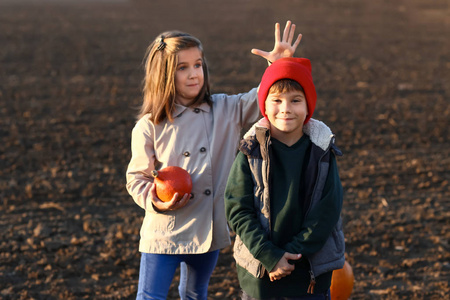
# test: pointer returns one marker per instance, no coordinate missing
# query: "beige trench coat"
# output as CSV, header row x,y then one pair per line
x,y
203,140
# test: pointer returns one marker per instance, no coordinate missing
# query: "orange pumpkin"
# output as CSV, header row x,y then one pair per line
x,y
171,180
342,283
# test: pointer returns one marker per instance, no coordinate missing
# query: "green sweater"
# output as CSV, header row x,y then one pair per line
x,y
288,226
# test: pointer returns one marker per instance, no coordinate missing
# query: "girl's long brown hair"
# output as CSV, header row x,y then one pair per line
x,y
161,60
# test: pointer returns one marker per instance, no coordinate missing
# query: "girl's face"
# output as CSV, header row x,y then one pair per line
x,y
189,77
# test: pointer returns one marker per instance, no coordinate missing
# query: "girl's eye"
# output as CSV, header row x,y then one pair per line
x,y
198,65
181,68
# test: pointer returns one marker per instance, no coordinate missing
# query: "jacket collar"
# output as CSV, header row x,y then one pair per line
x,y
319,133
179,109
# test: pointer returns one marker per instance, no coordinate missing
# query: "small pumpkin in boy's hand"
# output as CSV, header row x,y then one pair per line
x,y
342,283
171,180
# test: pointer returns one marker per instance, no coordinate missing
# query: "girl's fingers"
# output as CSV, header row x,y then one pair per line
x,y
291,34
180,203
260,53
153,189
286,31
174,199
277,32
256,51
184,200
297,41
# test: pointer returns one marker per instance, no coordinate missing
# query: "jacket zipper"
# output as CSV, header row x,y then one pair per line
x,y
312,281
261,269
318,176
269,178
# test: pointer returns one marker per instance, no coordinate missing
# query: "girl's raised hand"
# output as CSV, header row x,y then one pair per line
x,y
166,206
283,47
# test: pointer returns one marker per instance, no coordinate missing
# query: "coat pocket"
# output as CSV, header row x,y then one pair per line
x,y
158,222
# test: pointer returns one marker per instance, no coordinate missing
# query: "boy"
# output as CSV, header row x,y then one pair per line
x,y
284,196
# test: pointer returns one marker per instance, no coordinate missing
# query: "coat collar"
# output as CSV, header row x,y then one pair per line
x,y
179,109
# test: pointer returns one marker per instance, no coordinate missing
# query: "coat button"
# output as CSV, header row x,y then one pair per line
x,y
207,192
186,153
202,149
196,110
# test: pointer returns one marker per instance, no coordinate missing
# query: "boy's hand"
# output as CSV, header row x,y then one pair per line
x,y
283,47
171,205
283,268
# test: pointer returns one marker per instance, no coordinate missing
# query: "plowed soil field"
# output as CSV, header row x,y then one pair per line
x,y
70,80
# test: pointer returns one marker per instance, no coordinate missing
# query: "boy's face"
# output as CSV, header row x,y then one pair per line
x,y
287,112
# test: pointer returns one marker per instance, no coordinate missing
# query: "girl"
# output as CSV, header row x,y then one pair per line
x,y
182,124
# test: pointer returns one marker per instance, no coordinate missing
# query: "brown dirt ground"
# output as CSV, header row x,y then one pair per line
x,y
70,80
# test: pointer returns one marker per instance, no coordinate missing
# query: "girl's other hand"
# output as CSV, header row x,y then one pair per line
x,y
283,47
173,204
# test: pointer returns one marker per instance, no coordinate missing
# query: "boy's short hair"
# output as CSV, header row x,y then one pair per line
x,y
297,69
285,86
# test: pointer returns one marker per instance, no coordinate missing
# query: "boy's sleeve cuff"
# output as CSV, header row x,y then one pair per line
x,y
270,256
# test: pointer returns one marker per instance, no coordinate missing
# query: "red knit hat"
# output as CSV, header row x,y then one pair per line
x,y
298,69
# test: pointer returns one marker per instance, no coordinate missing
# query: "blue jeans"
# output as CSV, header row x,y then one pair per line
x,y
325,296
157,271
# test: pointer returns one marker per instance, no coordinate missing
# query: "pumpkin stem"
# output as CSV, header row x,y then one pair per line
x,y
155,173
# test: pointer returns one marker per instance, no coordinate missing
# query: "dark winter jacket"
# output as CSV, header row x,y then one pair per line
x,y
256,146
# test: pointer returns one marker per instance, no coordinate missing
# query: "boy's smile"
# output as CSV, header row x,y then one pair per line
x,y
287,112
